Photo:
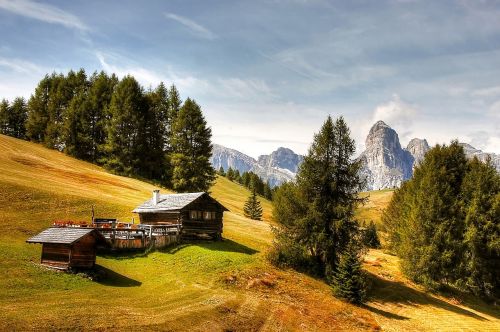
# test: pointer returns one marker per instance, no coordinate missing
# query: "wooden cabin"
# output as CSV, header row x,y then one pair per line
x,y
198,214
69,247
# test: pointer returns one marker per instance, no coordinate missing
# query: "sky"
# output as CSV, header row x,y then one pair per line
x,y
267,73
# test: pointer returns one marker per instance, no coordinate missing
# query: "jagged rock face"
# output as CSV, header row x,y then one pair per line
x,y
278,167
225,157
385,163
282,158
471,152
418,148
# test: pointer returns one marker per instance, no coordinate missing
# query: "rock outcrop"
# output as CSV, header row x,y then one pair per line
x,y
278,167
472,152
385,163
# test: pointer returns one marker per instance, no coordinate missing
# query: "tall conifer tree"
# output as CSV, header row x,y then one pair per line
x,y
38,111
318,211
192,149
125,143
252,208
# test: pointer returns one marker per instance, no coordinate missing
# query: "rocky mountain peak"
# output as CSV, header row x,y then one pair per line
x,y
281,158
418,148
386,164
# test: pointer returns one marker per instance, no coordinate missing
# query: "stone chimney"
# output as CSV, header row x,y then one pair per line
x,y
156,197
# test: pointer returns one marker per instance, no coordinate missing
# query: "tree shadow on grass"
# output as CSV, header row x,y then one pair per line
x,y
111,278
386,291
124,254
386,314
224,245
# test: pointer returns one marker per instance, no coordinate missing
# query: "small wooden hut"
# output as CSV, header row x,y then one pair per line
x,y
70,247
198,214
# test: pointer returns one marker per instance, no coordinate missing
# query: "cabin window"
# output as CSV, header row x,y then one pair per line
x,y
209,215
195,215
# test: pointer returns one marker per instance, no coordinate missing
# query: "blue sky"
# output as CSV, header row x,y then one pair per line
x,y
268,72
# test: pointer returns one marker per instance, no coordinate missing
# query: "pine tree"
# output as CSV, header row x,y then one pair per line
x,y
443,223
17,119
4,117
221,171
62,90
230,174
99,97
157,133
77,128
370,237
192,149
38,113
480,266
323,200
126,142
252,208
174,107
268,193
348,281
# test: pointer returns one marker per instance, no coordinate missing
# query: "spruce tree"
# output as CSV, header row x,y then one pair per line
x,y
370,236
192,149
252,208
221,171
317,212
348,282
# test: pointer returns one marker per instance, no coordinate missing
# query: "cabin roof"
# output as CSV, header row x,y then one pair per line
x,y
171,202
62,235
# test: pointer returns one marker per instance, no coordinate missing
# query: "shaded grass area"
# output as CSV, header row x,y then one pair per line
x,y
399,304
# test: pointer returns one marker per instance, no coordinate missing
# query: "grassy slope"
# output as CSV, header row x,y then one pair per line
x,y
372,210
204,286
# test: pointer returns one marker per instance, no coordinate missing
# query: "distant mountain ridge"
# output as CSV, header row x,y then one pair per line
x,y
385,164
278,167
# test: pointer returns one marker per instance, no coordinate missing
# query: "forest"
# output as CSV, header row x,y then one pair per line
x,y
146,133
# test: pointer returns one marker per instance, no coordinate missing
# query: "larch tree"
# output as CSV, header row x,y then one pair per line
x,y
191,150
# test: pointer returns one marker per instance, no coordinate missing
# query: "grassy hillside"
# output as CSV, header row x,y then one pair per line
x,y
197,287
377,201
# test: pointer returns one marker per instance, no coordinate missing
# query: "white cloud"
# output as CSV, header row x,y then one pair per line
x,y
395,113
194,27
20,66
143,75
218,88
43,12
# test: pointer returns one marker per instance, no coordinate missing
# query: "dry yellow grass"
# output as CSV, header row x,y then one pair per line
x,y
372,210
